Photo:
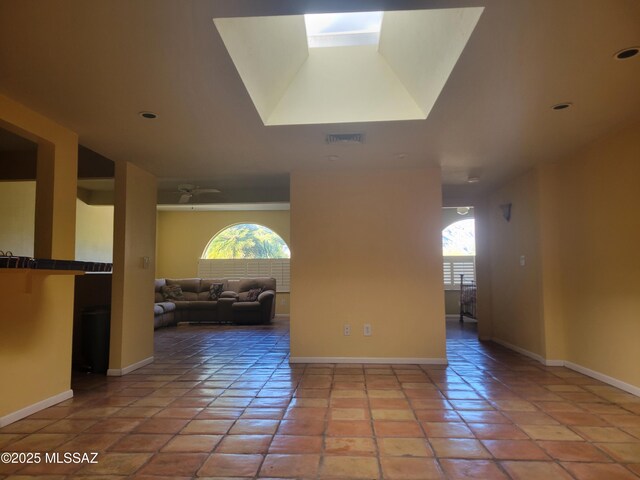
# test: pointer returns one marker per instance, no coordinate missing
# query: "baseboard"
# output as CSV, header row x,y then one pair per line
x,y
520,350
118,372
380,360
36,407
614,382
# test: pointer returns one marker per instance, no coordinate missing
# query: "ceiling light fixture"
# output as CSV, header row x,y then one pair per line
x,y
627,53
148,115
462,210
473,179
333,158
562,106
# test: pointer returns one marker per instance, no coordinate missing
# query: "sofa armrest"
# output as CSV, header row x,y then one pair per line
x,y
228,294
267,293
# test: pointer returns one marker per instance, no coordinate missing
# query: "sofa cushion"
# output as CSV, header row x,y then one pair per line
x,y
157,309
265,283
182,305
249,296
246,306
167,306
172,292
210,306
188,285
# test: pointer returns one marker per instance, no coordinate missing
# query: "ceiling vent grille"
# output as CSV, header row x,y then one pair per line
x,y
344,138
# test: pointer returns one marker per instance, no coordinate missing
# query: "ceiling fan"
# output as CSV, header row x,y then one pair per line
x,y
188,191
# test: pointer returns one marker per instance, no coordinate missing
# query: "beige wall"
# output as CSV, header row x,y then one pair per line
x,y
36,322
515,289
132,285
17,211
367,248
183,236
577,298
94,232
598,248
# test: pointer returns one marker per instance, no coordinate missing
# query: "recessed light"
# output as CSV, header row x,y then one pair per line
x,y
148,115
473,179
562,106
462,210
627,53
401,156
333,158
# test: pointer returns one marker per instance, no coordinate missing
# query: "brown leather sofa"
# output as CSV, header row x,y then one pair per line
x,y
232,307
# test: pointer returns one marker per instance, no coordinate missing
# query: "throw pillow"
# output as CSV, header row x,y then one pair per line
x,y
250,296
171,293
215,290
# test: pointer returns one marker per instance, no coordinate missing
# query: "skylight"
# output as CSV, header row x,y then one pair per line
x,y
343,29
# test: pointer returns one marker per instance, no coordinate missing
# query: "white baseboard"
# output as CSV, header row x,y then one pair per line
x,y
380,360
36,407
118,372
520,350
614,382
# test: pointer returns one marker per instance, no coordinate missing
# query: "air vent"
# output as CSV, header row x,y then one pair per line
x,y
345,138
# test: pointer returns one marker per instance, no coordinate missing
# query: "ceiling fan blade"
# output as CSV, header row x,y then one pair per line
x,y
184,198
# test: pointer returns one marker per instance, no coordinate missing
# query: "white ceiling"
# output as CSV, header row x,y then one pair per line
x,y
93,65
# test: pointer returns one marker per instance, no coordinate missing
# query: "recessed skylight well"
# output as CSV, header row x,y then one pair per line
x,y
343,29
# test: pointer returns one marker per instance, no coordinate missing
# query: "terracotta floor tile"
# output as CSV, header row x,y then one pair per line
x,y
599,471
622,452
392,414
535,471
384,428
298,466
301,427
579,418
573,451
497,431
244,444
296,444
349,428
410,468
174,464
230,465
316,413
458,448
349,467
531,418
604,434
263,413
90,442
136,412
161,425
482,416
115,425
389,403
515,450
116,464
178,412
140,443
438,415
348,414
39,442
219,413
254,427
192,443
471,470
69,426
404,447
549,432
447,430
350,446
207,427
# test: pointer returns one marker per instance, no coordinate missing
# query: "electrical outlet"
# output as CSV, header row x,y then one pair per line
x,y
347,329
367,329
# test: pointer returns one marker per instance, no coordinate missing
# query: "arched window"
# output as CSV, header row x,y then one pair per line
x,y
458,251
247,250
246,240
459,238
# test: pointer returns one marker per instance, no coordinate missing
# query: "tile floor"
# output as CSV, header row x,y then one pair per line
x,y
224,402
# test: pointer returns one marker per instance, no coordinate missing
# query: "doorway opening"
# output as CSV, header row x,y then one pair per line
x,y
459,271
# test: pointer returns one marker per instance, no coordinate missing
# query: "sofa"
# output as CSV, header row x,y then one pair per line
x,y
234,304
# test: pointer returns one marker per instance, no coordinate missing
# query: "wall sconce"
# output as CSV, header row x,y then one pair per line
x,y
506,211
